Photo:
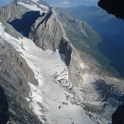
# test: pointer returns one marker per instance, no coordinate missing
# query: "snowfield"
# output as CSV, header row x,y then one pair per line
x,y
55,100
49,100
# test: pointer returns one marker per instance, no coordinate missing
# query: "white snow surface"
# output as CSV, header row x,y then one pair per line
x,y
82,66
35,6
36,1
49,99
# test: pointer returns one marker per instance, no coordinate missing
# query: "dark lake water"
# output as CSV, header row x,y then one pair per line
x,y
113,47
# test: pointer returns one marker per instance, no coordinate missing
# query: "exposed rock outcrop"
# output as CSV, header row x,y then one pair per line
x,y
22,14
17,8
118,115
11,12
14,75
48,33
4,108
115,7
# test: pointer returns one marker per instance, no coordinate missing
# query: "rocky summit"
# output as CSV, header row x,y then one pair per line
x,y
44,79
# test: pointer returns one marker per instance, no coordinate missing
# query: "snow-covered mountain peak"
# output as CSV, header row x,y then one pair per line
x,y
32,5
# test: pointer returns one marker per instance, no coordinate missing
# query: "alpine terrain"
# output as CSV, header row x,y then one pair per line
x,y
111,30
44,79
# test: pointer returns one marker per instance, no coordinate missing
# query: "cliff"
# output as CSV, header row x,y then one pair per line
x,y
115,7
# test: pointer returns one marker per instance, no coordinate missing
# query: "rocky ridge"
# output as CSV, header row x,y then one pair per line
x,y
52,35
116,8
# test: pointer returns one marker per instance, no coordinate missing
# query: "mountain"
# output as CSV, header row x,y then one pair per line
x,y
114,7
46,79
111,30
117,10
20,13
85,39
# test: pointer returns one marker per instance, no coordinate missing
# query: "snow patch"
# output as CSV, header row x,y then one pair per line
x,y
34,7
82,66
36,1
35,99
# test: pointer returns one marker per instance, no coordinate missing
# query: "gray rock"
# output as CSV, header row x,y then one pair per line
x,y
11,12
14,75
9,29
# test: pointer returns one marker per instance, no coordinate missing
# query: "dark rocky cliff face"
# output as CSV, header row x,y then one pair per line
x,y
4,109
115,7
118,115
11,12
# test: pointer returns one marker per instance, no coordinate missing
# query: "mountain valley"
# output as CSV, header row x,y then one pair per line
x,y
110,29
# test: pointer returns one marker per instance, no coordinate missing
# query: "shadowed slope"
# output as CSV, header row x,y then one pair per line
x,y
4,113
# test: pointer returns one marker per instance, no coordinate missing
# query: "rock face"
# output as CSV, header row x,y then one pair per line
x,y
48,33
17,8
14,75
115,7
11,12
14,79
118,115
4,108
22,14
